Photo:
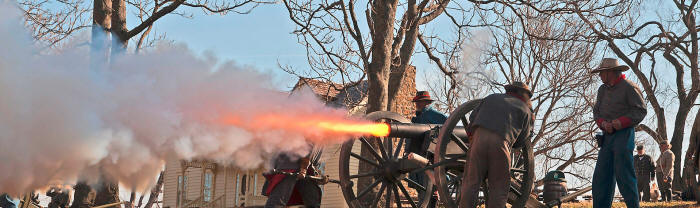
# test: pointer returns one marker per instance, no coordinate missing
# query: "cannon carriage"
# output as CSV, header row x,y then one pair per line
x,y
378,175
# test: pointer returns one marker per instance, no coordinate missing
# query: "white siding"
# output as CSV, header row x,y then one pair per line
x,y
172,171
230,188
219,182
194,183
332,195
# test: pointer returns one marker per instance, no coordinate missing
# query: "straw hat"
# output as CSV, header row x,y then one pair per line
x,y
610,64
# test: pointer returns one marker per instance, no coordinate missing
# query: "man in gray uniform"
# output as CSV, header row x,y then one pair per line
x,y
664,170
285,190
619,107
499,122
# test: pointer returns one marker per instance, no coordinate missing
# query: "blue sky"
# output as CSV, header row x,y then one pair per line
x,y
261,39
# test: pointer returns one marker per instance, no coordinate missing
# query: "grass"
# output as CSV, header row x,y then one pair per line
x,y
644,204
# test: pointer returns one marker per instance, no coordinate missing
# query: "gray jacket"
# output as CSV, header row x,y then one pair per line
x,y
506,115
664,165
621,101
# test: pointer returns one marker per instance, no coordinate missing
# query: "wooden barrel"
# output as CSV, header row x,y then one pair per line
x,y
554,186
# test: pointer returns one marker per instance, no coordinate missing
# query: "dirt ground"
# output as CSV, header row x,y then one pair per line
x,y
645,204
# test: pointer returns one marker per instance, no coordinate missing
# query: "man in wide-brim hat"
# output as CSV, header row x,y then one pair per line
x,y
500,122
618,109
425,114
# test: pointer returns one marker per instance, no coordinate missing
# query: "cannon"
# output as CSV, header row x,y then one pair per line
x,y
374,171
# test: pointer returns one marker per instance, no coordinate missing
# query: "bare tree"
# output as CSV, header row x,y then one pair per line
x,y
555,70
153,195
527,45
53,24
342,45
669,39
377,46
645,43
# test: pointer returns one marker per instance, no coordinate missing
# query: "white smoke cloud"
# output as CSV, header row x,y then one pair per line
x,y
60,120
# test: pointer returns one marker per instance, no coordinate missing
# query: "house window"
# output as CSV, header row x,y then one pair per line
x,y
244,185
181,187
238,187
255,185
208,182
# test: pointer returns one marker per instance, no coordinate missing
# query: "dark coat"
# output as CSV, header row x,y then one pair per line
x,y
429,116
644,166
506,115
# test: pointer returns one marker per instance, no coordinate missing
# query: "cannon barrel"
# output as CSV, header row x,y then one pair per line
x,y
413,130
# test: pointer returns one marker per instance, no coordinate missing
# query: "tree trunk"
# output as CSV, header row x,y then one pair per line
x,y
383,14
101,24
132,197
107,191
140,201
691,157
156,191
119,32
677,145
405,54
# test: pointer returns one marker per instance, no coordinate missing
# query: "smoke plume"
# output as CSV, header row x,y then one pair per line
x,y
62,120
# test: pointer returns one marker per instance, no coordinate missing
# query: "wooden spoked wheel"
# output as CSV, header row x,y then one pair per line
x,y
377,179
451,154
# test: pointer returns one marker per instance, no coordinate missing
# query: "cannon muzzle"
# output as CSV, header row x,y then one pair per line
x,y
413,130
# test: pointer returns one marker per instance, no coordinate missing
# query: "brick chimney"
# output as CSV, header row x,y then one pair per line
x,y
407,91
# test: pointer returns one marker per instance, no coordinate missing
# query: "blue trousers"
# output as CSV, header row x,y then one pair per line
x,y
615,164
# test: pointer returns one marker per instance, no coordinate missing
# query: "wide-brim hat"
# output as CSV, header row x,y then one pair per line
x,y
422,96
610,64
519,85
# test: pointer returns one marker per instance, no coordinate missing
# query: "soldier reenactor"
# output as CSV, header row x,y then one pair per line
x,y
59,197
286,190
644,169
664,170
618,109
497,124
425,114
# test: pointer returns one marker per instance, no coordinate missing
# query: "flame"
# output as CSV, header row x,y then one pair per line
x,y
375,129
315,123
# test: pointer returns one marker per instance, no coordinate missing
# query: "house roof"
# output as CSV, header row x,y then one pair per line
x,y
334,93
321,88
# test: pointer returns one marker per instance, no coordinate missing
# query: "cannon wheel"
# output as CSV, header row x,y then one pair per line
x,y
451,156
386,180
